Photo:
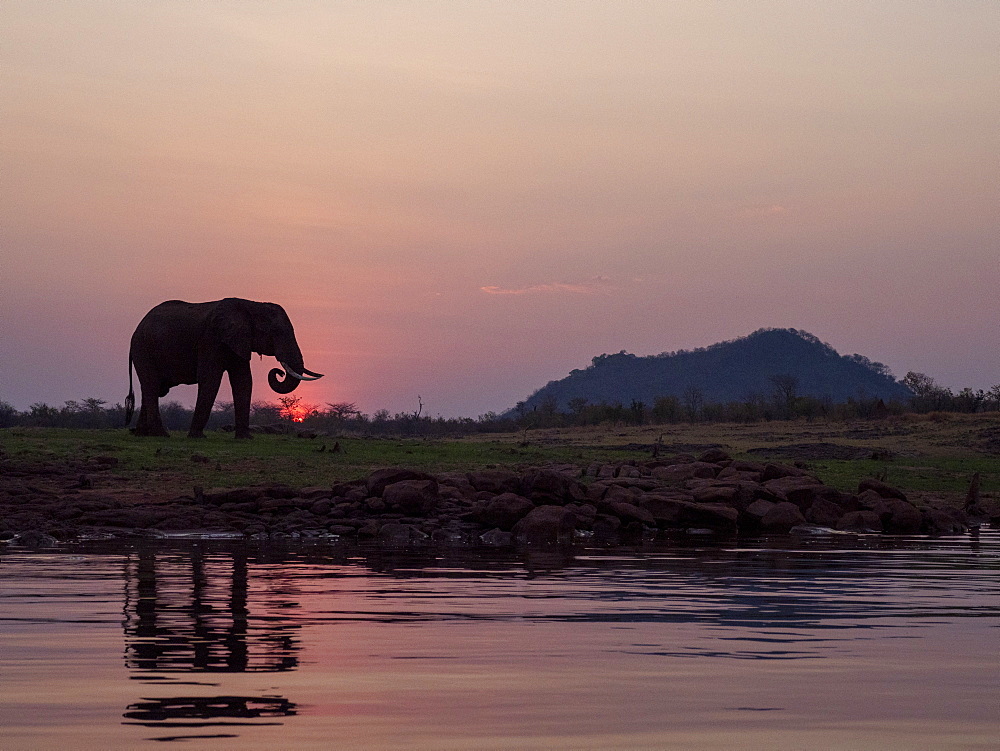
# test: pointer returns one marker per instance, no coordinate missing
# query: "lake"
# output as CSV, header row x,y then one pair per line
x,y
833,642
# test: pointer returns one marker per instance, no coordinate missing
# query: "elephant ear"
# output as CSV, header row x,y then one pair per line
x,y
231,325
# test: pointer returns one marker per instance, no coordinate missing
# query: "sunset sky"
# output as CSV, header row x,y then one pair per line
x,y
465,200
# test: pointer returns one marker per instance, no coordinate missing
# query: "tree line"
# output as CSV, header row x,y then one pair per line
x,y
292,414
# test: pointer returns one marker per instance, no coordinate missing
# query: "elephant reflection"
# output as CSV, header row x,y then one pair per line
x,y
181,342
192,614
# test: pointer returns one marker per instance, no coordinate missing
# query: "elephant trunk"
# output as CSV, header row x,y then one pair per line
x,y
286,386
293,371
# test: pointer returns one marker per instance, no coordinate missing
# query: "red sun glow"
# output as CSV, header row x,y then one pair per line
x,y
293,409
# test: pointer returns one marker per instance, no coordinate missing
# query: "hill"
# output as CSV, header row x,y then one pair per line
x,y
732,371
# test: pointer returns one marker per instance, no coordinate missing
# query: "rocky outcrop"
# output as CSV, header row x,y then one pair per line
x,y
556,504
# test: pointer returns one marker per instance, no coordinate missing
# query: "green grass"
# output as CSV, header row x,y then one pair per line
x,y
923,474
178,463
926,456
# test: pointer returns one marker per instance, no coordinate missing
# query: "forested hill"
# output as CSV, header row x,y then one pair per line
x,y
752,367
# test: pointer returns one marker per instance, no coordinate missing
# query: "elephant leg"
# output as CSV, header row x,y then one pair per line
x,y
208,388
242,384
149,423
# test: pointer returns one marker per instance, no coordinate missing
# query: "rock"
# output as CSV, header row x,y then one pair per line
x,y
775,471
321,507
585,513
546,525
945,522
606,528
677,473
665,510
341,530
497,538
860,521
672,513
412,496
752,514
715,493
629,512
380,479
782,517
495,481
394,533
550,487
902,518
798,489
714,516
731,473
714,456
620,493
374,505
884,490
868,500
505,510
824,513
34,539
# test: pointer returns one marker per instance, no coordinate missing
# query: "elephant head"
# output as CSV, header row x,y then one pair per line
x,y
245,326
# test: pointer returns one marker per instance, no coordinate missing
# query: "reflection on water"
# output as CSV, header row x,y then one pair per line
x,y
776,644
189,612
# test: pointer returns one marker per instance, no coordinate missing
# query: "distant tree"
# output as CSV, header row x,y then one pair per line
x,y
341,410
8,415
694,402
666,409
577,404
928,396
637,412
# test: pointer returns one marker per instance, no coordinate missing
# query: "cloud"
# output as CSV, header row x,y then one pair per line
x,y
585,288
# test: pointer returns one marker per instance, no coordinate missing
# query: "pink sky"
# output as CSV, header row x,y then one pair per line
x,y
463,201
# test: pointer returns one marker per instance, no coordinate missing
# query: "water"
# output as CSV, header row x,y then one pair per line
x,y
840,642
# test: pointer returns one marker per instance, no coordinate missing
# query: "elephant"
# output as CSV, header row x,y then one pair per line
x,y
182,342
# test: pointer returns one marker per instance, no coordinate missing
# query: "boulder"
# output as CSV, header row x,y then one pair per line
x,y
902,518
824,513
585,513
394,533
798,489
380,479
731,473
860,521
883,489
774,471
606,528
548,524
714,516
678,473
495,481
945,522
629,512
673,512
714,493
505,510
751,516
714,456
412,496
497,538
551,487
782,517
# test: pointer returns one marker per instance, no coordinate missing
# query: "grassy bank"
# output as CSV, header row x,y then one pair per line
x,y
929,455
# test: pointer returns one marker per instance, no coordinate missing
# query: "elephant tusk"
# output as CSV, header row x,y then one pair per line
x,y
310,373
299,376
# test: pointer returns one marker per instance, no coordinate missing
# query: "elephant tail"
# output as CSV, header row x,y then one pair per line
x,y
130,399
